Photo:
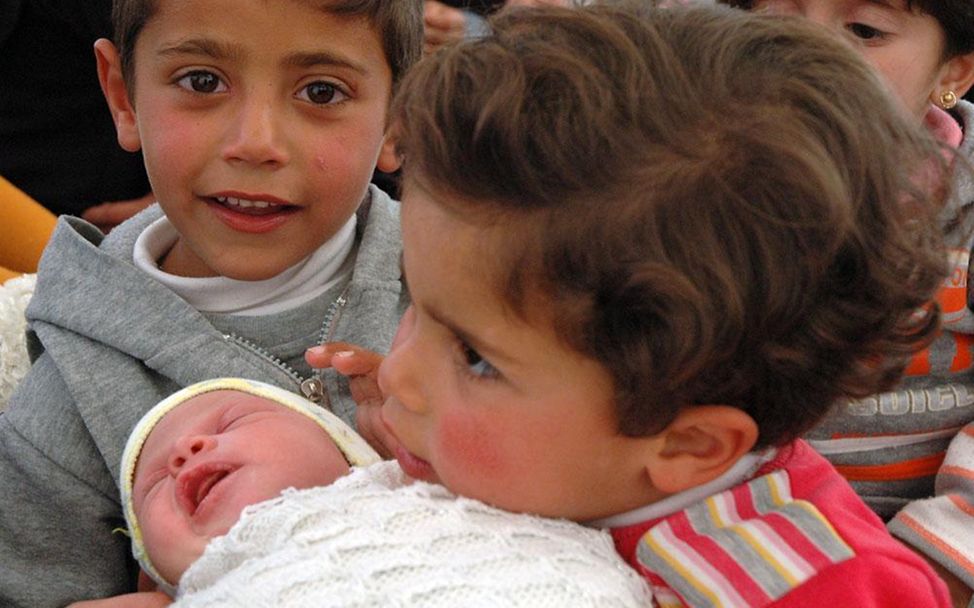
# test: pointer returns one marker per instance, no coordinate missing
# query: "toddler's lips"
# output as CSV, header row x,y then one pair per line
x,y
414,466
195,485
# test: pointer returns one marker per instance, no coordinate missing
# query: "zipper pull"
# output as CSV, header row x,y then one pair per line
x,y
313,389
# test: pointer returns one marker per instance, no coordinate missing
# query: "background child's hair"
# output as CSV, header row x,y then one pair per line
x,y
956,17
712,203
398,22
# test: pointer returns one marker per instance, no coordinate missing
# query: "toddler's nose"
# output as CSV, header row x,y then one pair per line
x,y
399,375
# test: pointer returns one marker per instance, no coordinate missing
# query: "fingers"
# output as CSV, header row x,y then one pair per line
x,y
443,24
346,359
365,390
368,422
441,17
361,366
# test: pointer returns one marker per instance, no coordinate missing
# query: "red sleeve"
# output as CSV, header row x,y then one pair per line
x,y
869,581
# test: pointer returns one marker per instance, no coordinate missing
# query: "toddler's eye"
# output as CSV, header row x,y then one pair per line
x,y
322,93
202,82
477,365
865,32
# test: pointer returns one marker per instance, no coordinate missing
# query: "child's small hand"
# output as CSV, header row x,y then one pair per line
x,y
442,24
151,599
960,593
361,366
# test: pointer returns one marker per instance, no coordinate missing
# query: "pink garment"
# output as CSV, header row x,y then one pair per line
x,y
795,534
943,126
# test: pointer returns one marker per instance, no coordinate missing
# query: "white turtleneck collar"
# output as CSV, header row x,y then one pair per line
x,y
309,278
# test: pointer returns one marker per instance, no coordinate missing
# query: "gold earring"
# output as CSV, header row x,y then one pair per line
x,y
948,100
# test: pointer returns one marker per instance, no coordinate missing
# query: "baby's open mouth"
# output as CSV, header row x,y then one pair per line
x,y
195,485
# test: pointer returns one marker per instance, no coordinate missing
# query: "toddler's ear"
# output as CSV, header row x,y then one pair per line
x,y
701,443
113,87
388,161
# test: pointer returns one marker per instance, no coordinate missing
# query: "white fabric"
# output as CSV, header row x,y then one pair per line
x,y
370,540
309,278
14,362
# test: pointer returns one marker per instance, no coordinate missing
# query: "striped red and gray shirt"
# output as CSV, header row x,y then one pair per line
x,y
793,534
909,453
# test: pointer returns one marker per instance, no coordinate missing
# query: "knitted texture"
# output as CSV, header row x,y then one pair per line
x,y
14,362
371,540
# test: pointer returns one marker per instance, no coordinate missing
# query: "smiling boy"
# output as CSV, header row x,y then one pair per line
x,y
259,138
260,134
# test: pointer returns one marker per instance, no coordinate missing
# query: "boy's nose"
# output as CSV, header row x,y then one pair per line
x,y
257,135
186,448
399,373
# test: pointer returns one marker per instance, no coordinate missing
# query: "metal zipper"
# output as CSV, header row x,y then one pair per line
x,y
259,350
313,388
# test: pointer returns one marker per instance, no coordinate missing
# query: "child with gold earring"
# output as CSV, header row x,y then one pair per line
x,y
901,449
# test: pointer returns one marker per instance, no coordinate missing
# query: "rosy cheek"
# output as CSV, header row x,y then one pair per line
x,y
321,162
474,446
174,143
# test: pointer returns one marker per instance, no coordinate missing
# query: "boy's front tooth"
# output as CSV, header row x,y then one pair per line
x,y
242,202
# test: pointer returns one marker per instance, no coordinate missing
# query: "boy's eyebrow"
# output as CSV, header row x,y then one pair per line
x,y
324,58
220,50
200,46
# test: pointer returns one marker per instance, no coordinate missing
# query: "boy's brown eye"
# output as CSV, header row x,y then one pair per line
x,y
203,82
321,92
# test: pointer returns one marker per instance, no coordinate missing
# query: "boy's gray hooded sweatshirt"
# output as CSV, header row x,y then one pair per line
x,y
110,342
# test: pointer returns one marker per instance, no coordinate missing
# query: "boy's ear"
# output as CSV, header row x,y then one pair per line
x,y
958,76
701,443
388,161
113,87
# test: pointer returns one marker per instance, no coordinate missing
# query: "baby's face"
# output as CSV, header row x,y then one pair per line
x,y
904,45
212,456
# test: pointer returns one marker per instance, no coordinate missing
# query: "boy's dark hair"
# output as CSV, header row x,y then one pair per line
x,y
709,202
398,22
956,17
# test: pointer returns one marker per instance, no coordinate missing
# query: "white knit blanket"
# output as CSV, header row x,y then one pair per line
x,y
14,296
370,540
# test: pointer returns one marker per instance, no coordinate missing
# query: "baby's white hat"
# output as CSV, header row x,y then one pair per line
x,y
355,449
